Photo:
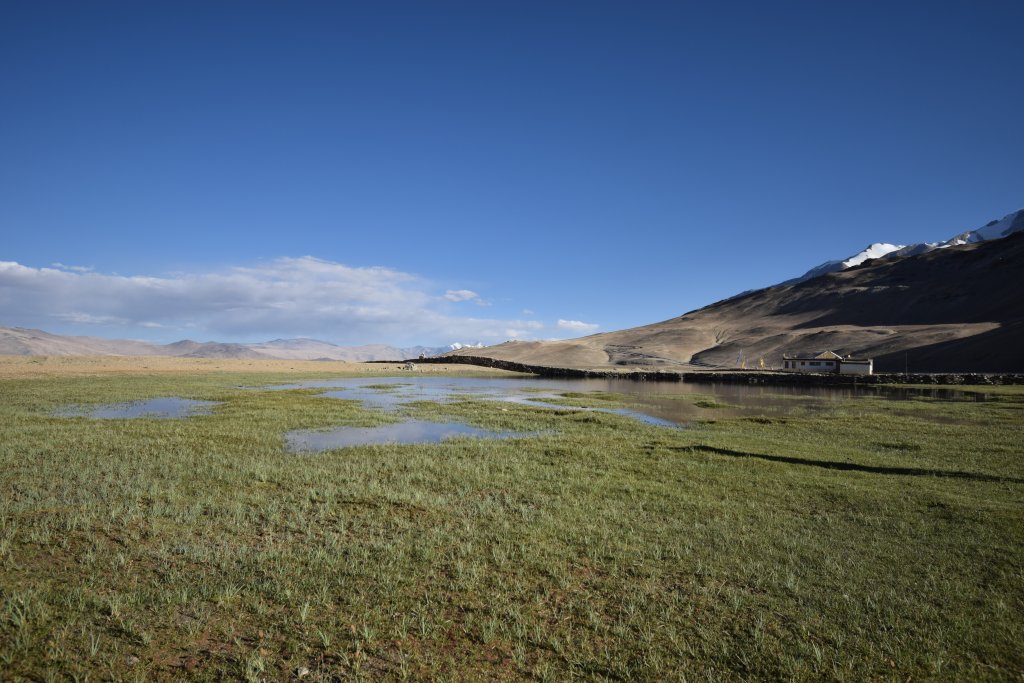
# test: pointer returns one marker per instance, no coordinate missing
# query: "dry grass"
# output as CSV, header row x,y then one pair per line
x,y
26,367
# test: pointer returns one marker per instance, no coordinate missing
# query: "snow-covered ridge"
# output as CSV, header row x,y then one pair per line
x,y
1008,225
876,250
456,346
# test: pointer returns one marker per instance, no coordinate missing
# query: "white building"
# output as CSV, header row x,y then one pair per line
x,y
827,361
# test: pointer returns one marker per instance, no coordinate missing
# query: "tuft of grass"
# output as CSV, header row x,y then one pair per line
x,y
711,404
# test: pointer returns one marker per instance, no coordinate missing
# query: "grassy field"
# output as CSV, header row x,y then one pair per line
x,y
22,367
872,540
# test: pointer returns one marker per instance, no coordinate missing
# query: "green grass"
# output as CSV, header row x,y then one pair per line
x,y
870,539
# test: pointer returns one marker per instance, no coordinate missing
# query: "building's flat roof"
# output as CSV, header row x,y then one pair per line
x,y
819,358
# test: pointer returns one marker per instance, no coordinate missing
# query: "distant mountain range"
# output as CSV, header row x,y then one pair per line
x,y
19,341
952,306
955,305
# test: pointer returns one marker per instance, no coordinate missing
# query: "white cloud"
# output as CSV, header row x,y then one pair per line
x,y
461,295
525,329
577,325
286,297
465,295
88,319
77,269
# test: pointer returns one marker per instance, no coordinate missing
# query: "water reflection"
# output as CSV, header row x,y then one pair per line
x,y
660,403
411,432
522,391
535,400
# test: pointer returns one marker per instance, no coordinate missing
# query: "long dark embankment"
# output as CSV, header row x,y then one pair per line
x,y
737,376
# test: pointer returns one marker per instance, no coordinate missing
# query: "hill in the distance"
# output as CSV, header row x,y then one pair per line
x,y
17,341
948,306
313,349
949,309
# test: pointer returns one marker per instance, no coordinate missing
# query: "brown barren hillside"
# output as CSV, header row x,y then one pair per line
x,y
949,310
19,341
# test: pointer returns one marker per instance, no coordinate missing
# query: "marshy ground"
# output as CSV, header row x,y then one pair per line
x,y
861,539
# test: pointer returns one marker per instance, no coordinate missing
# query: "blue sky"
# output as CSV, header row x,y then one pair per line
x,y
434,172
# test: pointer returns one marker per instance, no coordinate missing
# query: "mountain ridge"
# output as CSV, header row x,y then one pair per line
x,y
957,308
930,300
1009,224
19,341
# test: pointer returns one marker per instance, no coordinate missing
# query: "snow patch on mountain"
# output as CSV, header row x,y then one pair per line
x,y
1005,227
457,345
1009,224
876,250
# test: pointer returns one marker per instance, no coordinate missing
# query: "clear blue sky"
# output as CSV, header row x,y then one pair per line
x,y
503,165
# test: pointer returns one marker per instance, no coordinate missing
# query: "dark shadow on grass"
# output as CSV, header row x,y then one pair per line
x,y
851,467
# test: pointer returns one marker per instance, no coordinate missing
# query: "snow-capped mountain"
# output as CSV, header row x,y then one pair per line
x,y
876,250
457,345
955,309
1008,225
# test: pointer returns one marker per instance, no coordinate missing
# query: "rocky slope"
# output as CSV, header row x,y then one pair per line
x,y
951,309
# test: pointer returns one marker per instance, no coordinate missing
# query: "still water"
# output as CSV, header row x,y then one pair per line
x,y
535,393
664,403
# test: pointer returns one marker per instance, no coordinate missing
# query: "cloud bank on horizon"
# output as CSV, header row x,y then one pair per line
x,y
286,297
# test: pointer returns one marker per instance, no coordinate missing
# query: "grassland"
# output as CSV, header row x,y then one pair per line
x,y
868,540
20,367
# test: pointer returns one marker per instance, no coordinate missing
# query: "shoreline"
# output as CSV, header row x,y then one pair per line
x,y
778,377
15,367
